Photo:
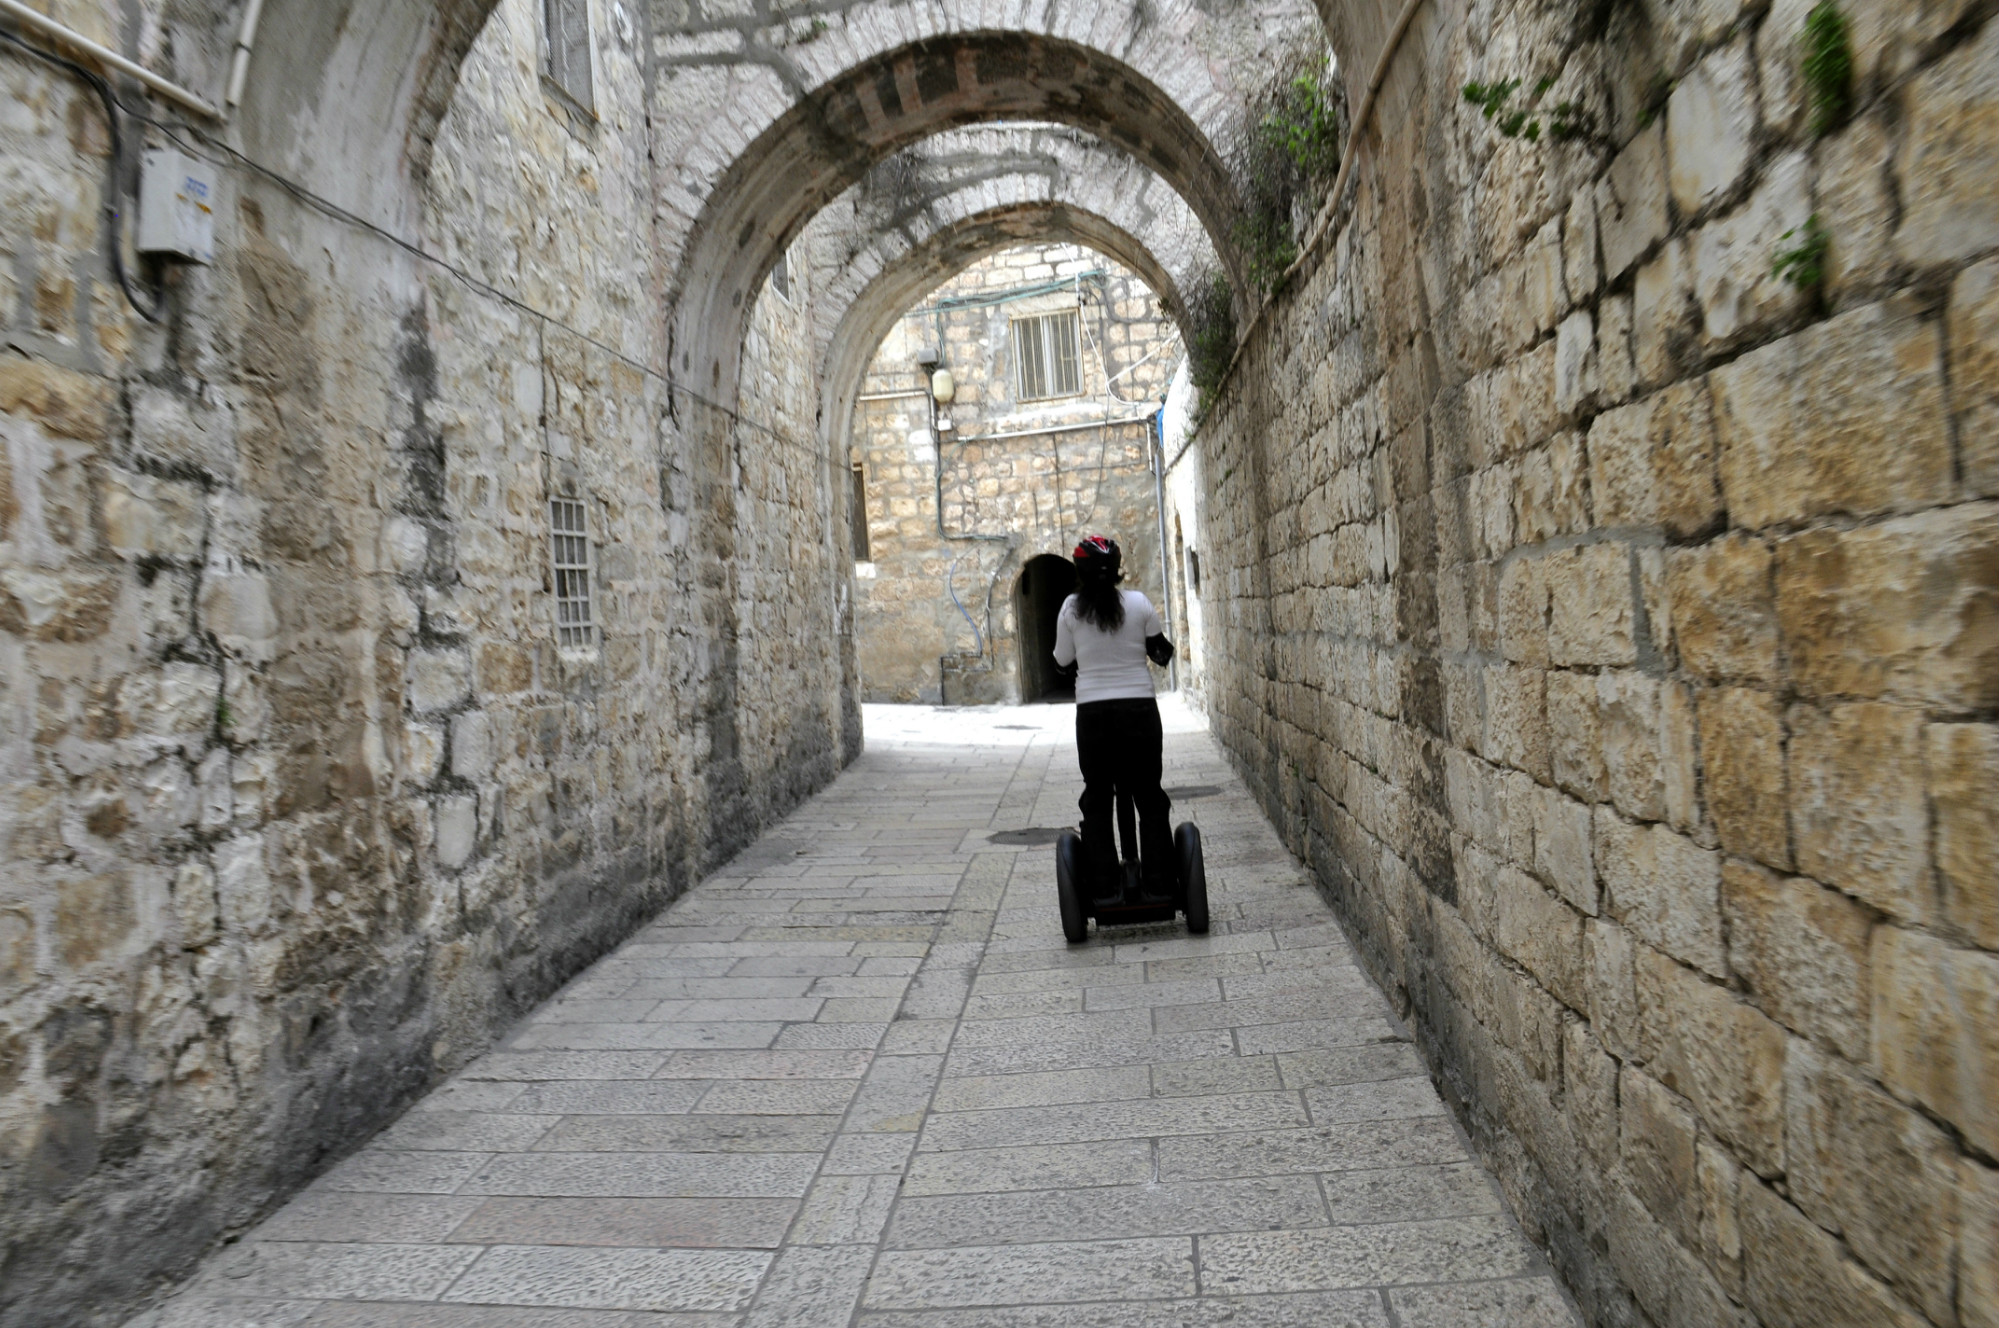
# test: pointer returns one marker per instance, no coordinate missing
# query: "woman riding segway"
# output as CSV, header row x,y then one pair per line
x,y
1109,634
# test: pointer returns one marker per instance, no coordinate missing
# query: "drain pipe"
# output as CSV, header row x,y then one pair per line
x,y
42,24
1159,506
239,65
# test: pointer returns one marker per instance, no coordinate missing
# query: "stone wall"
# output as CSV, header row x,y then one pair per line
x,y
304,801
1614,626
1017,497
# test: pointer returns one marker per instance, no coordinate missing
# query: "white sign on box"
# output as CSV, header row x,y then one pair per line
x,y
176,207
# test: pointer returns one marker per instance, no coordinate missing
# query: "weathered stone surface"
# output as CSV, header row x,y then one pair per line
x,y
65,403
148,517
194,904
1613,993
1664,1277
1717,1052
472,751
1656,1135
1724,610
1523,610
1652,463
1663,886
67,609
1857,808
1978,1245
1543,934
1631,202
1855,205
17,952
438,678
1974,374
1742,755
1552,494
1963,764
1869,1168
1562,848
1936,1028
1904,609
1794,1275
457,830
1590,606
1634,756
1678,729
1516,719
1575,740
1735,281
1720,1179
1803,950
236,606
1711,127
1947,168
95,918
1664,316
1844,417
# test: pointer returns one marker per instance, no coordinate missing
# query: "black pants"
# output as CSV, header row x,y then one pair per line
x,y
1118,745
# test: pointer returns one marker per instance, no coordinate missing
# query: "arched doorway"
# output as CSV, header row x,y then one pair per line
x,y
1045,581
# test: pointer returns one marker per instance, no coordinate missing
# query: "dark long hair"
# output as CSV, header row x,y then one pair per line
x,y
1098,601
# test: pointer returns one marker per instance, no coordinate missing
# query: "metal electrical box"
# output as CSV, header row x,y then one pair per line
x,y
176,207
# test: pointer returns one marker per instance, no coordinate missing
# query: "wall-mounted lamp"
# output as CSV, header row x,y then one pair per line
x,y
943,387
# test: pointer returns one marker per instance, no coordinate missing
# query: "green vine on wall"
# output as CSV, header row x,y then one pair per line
x,y
1803,265
1567,121
1210,337
1286,160
1827,48
1305,125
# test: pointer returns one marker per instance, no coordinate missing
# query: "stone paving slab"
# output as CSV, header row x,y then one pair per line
x,y
856,1079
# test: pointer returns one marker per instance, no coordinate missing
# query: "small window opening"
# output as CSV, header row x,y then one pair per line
x,y
567,25
860,515
1194,570
1045,356
780,275
569,530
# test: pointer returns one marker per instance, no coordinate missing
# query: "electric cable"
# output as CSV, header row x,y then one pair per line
x,y
114,190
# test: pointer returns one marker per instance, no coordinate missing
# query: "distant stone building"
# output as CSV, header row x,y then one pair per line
x,y
1059,361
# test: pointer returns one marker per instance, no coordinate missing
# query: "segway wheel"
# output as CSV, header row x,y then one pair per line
x,y
1068,886
1193,876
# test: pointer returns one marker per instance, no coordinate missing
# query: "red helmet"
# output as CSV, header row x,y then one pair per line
x,y
1097,546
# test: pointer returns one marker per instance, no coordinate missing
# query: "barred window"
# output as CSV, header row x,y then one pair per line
x,y
1046,362
567,24
569,542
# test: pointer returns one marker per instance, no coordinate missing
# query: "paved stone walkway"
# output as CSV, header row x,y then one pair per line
x,y
857,1078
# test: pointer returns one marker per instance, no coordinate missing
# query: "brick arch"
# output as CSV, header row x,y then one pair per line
x,y
826,141
921,267
864,237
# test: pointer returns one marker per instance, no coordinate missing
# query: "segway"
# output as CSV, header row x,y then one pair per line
x,y
1124,899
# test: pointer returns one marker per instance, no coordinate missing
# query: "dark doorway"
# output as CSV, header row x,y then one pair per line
x,y
1037,599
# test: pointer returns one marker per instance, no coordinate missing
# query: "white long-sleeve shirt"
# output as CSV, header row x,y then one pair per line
x,y
1110,666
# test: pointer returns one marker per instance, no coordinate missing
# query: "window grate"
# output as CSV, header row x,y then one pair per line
x,y
569,546
1045,356
567,24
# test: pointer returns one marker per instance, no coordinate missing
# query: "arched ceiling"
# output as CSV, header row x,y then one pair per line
x,y
828,142
1019,172
919,268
